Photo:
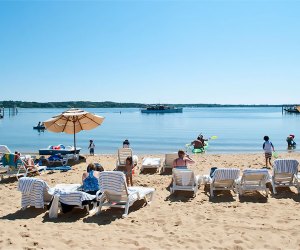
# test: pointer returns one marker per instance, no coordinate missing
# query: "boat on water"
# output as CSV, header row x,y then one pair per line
x,y
161,109
39,127
294,109
60,149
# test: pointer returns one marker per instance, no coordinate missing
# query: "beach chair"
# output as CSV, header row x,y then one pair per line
x,y
184,180
285,174
123,153
253,180
168,161
222,179
35,192
151,163
115,193
12,165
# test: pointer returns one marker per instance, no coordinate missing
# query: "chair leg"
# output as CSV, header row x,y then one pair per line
x,y
274,188
99,209
211,190
126,210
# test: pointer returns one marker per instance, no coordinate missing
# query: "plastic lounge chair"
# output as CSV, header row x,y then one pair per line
x,y
285,174
253,180
115,192
123,153
153,163
12,165
35,192
168,161
223,179
184,180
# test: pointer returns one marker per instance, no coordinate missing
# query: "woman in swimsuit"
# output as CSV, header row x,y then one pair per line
x,y
90,180
182,160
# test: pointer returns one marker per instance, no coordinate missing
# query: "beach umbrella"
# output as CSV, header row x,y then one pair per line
x,y
73,121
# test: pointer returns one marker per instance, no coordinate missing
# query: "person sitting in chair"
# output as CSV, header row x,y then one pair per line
x,y
182,161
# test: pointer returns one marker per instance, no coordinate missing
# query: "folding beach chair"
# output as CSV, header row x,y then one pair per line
x,y
253,180
223,179
184,180
285,174
123,153
115,192
168,161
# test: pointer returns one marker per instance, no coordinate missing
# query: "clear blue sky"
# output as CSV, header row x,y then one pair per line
x,y
228,52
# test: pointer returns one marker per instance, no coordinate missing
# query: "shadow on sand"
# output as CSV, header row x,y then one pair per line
x,y
28,213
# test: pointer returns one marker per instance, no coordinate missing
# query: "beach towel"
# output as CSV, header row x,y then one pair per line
x,y
226,174
258,171
112,182
32,192
59,168
286,166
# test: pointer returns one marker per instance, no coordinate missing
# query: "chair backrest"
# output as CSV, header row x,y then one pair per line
x,y
113,184
225,174
169,159
183,177
284,170
35,189
4,150
123,153
254,176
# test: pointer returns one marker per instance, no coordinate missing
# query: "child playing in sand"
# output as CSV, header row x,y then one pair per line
x,y
268,148
129,166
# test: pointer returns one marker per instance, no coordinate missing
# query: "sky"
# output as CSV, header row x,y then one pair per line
x,y
224,52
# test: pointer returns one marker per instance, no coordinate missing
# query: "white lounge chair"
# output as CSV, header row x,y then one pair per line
x,y
184,180
115,192
152,163
223,179
253,180
168,161
123,153
285,174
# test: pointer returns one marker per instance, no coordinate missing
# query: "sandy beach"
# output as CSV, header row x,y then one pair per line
x,y
178,221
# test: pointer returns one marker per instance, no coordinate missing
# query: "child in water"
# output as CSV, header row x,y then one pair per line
x,y
129,167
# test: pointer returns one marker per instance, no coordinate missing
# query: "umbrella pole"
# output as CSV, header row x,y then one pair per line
x,y
74,138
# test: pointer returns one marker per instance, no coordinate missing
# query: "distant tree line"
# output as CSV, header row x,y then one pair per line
x,y
86,104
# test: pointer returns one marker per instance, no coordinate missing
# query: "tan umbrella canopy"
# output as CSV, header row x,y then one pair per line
x,y
73,121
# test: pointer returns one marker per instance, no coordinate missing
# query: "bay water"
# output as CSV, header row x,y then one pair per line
x,y
239,129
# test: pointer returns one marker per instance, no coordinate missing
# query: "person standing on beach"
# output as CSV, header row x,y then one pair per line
x,y
92,147
268,148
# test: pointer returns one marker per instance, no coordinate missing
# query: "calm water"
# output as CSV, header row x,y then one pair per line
x,y
238,130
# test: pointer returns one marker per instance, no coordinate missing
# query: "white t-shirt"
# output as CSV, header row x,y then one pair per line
x,y
268,147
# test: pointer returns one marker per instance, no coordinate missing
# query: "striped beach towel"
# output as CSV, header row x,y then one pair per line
x,y
112,181
226,174
74,198
286,166
32,191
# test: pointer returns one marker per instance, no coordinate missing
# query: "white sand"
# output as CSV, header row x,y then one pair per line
x,y
170,222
